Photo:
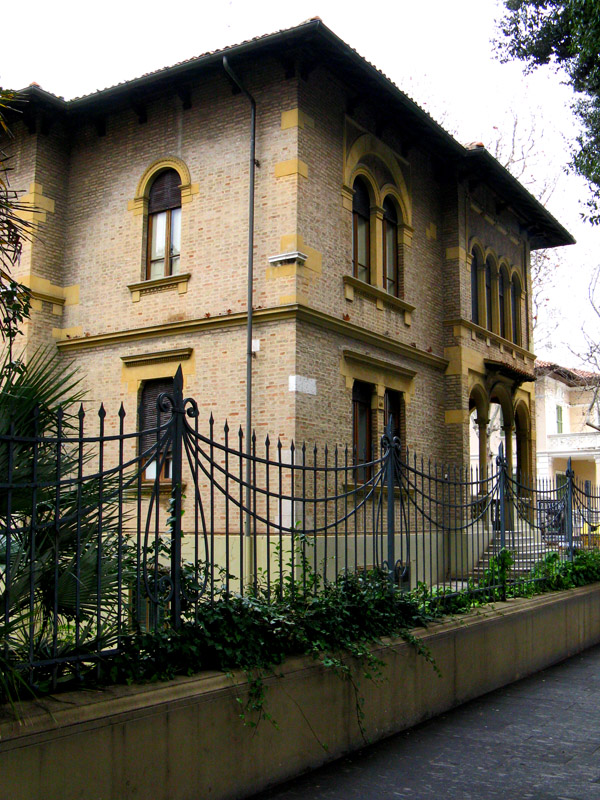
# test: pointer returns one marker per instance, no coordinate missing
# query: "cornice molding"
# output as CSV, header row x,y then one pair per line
x,y
262,315
496,338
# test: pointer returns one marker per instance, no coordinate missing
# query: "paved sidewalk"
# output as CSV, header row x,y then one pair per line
x,y
538,739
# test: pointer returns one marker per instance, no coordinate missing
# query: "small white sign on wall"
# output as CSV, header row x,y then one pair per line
x,y
298,383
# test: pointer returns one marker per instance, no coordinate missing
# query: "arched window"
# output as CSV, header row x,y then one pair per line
x,y
488,295
502,290
164,225
475,289
390,248
515,309
361,242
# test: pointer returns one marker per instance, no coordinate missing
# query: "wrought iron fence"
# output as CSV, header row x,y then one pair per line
x,y
105,530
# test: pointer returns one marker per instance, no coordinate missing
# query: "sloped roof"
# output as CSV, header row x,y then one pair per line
x,y
315,43
568,375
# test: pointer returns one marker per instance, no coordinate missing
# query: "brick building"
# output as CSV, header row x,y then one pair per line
x,y
391,263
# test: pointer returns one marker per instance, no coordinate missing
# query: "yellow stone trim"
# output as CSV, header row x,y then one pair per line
x,y
66,334
42,290
290,243
385,375
347,197
406,232
462,359
294,118
288,270
139,204
273,314
456,417
140,288
141,359
39,205
162,364
431,231
295,298
292,167
367,144
456,253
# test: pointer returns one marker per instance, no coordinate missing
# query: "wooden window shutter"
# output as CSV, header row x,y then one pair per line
x,y
165,192
149,416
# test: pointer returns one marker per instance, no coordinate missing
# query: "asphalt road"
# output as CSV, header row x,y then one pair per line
x,y
538,739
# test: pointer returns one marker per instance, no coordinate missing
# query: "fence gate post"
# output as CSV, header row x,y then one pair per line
x,y
174,520
502,467
390,474
502,494
569,509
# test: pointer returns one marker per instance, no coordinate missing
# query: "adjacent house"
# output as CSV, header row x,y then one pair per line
x,y
568,422
391,263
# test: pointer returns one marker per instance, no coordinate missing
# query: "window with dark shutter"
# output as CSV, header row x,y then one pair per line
x,y
164,226
361,406
151,419
165,192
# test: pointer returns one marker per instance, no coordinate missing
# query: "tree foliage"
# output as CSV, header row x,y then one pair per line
x,y
14,231
564,34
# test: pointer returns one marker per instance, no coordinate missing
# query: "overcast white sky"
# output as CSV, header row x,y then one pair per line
x,y
439,52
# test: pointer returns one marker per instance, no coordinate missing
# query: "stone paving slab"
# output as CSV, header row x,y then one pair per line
x,y
538,739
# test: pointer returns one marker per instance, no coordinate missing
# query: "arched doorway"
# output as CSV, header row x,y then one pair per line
x,y
478,432
524,467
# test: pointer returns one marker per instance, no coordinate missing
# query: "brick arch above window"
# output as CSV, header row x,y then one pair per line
x,y
139,204
369,145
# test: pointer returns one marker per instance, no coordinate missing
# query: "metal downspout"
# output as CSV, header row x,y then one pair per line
x,y
250,573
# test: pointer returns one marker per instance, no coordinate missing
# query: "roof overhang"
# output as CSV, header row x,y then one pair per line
x,y
303,48
515,374
543,229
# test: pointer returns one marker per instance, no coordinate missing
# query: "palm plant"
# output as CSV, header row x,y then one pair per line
x,y
63,558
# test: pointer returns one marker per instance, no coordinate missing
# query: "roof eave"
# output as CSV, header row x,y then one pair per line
x,y
552,234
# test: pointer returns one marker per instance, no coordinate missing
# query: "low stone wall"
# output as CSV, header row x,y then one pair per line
x,y
184,740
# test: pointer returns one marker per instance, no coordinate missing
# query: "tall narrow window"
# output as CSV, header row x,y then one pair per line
x,y
502,285
390,247
361,245
393,408
475,289
559,419
157,460
488,295
515,309
164,225
361,407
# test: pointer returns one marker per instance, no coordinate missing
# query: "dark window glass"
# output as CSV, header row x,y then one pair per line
x,y
502,282
361,258
488,295
164,226
393,408
515,303
390,247
475,289
361,406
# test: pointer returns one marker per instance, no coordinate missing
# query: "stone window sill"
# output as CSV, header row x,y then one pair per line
x,y
178,282
352,285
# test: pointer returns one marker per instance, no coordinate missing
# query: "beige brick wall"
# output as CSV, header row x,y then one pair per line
x,y
91,248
